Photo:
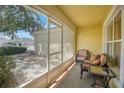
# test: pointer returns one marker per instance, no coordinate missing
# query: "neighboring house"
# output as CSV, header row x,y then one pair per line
x,y
4,40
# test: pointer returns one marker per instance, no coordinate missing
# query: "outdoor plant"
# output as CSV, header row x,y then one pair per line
x,y
6,76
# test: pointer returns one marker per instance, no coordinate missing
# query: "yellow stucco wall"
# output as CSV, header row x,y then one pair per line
x,y
90,38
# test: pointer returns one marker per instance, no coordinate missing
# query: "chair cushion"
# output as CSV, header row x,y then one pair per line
x,y
80,58
102,59
82,54
93,57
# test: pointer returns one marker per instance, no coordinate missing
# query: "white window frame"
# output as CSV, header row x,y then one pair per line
x,y
52,20
73,42
41,11
114,12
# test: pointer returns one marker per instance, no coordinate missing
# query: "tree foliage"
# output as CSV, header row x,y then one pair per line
x,y
14,18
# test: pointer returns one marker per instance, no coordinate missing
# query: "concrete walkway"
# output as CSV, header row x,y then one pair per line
x,y
72,80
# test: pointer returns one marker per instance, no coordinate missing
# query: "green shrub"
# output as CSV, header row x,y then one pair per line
x,y
12,50
7,63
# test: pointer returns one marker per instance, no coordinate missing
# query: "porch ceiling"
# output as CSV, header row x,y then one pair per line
x,y
85,15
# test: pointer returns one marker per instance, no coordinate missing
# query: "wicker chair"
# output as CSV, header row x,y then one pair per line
x,y
82,55
103,62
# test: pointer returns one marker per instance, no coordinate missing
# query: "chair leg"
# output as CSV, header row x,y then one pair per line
x,y
81,74
76,62
81,70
